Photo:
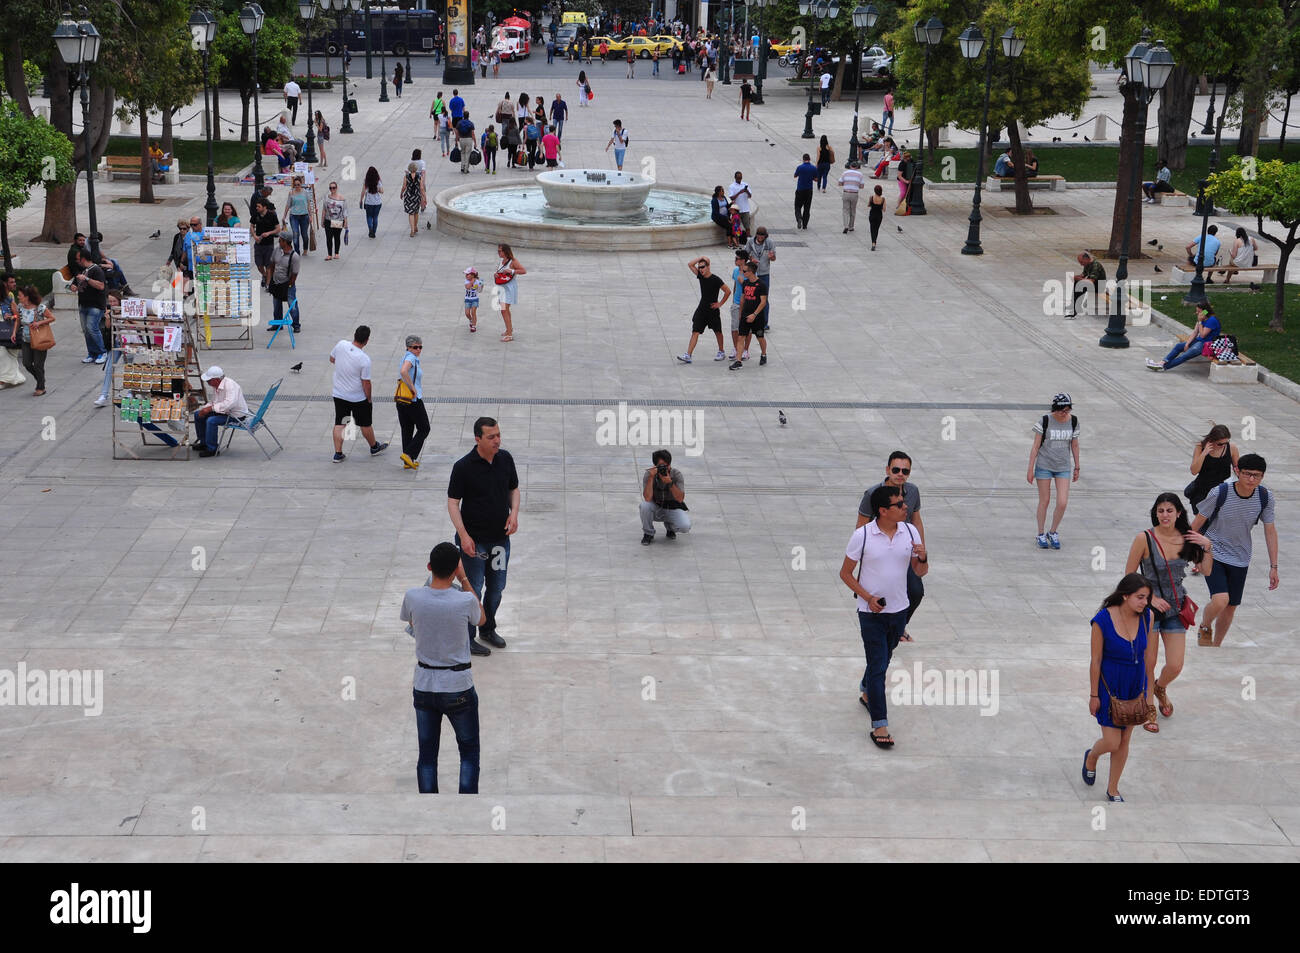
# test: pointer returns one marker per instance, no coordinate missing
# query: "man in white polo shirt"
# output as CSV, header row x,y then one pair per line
x,y
851,182
292,96
352,396
883,550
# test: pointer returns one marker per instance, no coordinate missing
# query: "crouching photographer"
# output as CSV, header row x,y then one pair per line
x,y
664,499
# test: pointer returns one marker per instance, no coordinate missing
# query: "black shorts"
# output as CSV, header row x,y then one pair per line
x,y
552,163
262,255
1229,579
757,327
361,412
706,319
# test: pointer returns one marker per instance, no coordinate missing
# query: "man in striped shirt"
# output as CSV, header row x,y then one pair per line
x,y
851,182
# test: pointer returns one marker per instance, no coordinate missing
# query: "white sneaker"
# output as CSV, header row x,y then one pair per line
x,y
731,356
720,356
684,358
87,360
101,401
1155,365
101,359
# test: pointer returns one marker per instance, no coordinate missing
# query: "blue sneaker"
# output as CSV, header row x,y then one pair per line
x,y
1054,539
1089,777
1115,797
1042,541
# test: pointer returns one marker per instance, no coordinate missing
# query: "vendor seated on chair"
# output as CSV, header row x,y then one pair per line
x,y
227,402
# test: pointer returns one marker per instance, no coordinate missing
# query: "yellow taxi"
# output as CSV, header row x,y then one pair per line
x,y
666,43
615,46
780,49
643,46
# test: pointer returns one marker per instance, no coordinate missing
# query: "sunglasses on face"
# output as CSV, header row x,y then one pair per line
x,y
901,470
899,503
417,347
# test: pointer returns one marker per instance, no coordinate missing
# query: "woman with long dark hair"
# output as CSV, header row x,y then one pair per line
x,y
372,199
1162,555
509,269
718,212
1122,654
825,159
875,213
1213,460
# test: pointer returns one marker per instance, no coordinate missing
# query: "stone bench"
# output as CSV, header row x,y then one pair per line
x,y
1183,274
1173,198
1243,370
1054,183
110,167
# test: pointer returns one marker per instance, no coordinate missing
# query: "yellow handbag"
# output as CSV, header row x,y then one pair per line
x,y
404,394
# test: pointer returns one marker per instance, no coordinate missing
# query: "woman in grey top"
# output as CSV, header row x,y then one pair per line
x,y
1056,440
336,219
1162,554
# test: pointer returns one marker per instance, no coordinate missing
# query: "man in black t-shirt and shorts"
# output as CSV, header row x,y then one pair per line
x,y
753,312
708,314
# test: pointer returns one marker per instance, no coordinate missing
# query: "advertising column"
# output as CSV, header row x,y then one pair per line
x,y
456,69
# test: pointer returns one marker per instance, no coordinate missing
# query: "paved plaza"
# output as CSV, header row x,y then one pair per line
x,y
689,700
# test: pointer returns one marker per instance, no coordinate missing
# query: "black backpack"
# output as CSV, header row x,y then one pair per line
x,y
1222,496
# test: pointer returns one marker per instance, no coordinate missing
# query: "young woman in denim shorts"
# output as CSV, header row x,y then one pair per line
x,y
1056,443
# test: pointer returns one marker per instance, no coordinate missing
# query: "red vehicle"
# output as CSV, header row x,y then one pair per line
x,y
513,38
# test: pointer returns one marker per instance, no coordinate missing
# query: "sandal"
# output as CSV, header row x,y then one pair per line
x,y
1204,635
1152,727
473,328
905,637
1166,706
507,337
882,741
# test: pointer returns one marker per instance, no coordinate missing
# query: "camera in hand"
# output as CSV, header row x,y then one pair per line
x,y
663,469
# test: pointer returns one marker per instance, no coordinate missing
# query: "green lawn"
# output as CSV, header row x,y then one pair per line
x,y
228,155
40,277
1246,314
1099,163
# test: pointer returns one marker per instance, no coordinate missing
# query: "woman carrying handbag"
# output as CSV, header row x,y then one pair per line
x,y
1122,654
507,286
412,417
1162,555
37,336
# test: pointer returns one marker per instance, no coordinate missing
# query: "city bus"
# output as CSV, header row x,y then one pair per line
x,y
393,30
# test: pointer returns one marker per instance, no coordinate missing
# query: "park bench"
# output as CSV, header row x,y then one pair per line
x,y
1054,183
1173,198
1183,274
129,166
1243,370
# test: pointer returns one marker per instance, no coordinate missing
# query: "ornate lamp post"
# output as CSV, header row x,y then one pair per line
x,y
1148,67
341,5
972,43
307,10
78,43
1208,128
203,28
928,33
762,51
250,21
864,18
383,58
821,11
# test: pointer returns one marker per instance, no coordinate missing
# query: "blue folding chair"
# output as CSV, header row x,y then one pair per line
x,y
251,425
291,315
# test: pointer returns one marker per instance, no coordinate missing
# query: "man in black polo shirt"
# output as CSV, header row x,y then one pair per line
x,y
266,228
483,503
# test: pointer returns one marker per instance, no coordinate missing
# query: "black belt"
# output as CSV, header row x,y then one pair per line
x,y
463,666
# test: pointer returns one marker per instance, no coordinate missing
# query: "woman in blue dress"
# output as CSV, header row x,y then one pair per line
x,y
1122,654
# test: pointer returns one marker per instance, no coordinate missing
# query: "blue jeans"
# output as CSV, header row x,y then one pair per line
x,y
559,129
490,572
91,319
1178,356
301,224
461,709
277,311
915,593
113,357
372,218
880,635
207,427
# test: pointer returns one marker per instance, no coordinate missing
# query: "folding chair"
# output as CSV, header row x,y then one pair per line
x,y
253,424
291,315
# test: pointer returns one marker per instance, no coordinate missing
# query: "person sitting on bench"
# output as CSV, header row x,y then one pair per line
x,y
1093,274
1004,168
1207,256
1206,330
1031,164
1162,183
1245,254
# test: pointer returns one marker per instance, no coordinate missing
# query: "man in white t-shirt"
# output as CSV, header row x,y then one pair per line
x,y
739,194
352,392
826,88
292,95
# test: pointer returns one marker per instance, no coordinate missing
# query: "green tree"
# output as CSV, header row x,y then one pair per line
x,y
277,46
1268,191
32,153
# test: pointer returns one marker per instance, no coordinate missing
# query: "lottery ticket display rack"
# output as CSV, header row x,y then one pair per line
x,y
224,294
156,385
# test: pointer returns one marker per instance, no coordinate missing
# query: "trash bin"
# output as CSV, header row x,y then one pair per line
x,y
352,105
814,108
744,69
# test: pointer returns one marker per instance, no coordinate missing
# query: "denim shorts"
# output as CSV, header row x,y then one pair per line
x,y
1041,474
1170,624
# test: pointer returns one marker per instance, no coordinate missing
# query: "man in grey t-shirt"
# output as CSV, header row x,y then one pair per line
x,y
1229,525
443,686
897,471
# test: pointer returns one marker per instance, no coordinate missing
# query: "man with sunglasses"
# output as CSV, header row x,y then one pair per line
x,y
483,503
883,550
1228,516
897,470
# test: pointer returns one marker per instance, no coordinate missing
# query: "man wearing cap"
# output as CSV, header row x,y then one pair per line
x,y
284,266
227,401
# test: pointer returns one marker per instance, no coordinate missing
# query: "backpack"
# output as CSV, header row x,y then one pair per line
x,y
1074,425
1222,496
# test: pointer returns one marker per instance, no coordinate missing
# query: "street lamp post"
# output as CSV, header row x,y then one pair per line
x,y
1208,128
1196,294
864,19
250,21
341,5
203,28
1147,67
307,10
928,33
972,44
383,64
78,44
762,51
821,11
724,53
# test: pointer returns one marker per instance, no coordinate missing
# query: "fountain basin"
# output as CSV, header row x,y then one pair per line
x,y
595,192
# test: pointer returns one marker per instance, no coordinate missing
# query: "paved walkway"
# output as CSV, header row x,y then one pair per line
x,y
229,689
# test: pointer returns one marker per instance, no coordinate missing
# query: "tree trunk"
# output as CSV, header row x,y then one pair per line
x,y
1127,152
1254,95
146,160
1024,205
4,244
60,222
15,81
1175,117
933,135
167,144
1279,293
838,86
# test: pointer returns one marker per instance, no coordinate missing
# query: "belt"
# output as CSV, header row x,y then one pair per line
x,y
463,666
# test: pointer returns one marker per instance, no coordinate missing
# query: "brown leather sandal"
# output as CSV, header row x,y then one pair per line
x,y
1166,706
1204,635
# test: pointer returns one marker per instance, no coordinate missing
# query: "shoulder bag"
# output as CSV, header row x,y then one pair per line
x,y
1187,609
503,277
42,337
404,394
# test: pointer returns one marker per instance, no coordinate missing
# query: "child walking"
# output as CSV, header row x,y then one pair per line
x,y
473,285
